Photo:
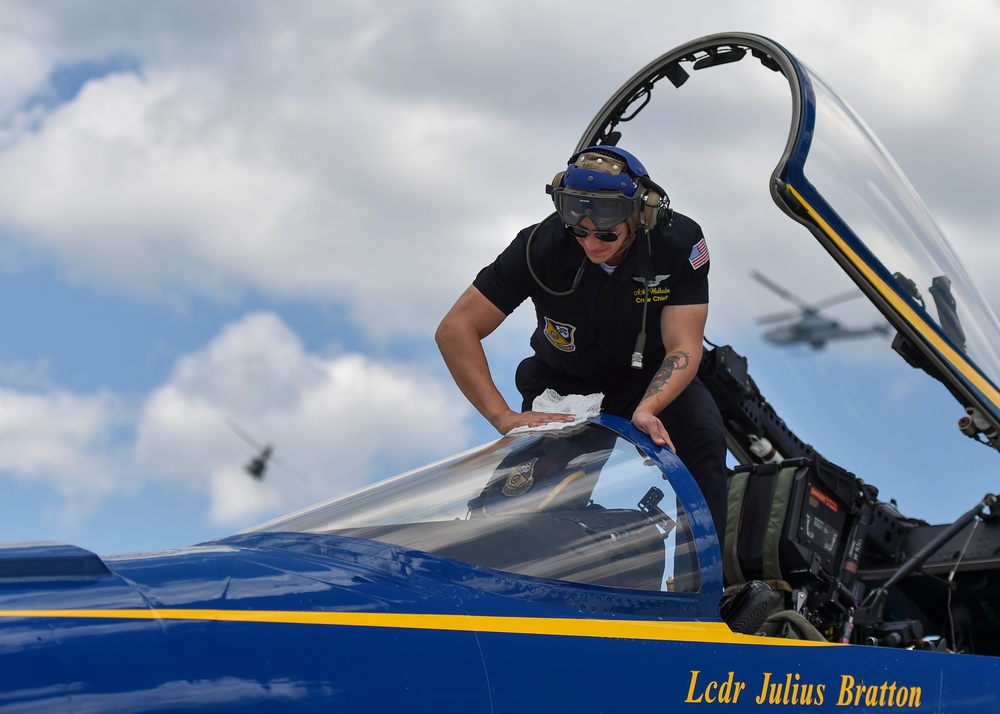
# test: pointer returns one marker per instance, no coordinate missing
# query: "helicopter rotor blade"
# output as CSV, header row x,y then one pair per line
x,y
237,429
837,299
777,289
777,317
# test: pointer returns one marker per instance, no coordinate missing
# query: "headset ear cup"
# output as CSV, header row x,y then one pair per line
x,y
650,210
655,210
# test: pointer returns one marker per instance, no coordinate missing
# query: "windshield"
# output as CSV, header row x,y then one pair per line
x,y
581,504
885,220
818,319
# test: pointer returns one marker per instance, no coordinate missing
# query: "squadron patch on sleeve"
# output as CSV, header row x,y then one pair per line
x,y
560,335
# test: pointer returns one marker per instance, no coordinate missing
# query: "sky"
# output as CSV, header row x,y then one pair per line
x,y
224,225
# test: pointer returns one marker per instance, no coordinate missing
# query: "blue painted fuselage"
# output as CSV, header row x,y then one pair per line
x,y
297,622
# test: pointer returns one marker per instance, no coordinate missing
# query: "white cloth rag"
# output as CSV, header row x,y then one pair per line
x,y
581,406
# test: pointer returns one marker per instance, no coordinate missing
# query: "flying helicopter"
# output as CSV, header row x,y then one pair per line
x,y
578,569
806,325
257,465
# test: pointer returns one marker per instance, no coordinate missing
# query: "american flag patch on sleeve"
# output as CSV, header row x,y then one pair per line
x,y
699,254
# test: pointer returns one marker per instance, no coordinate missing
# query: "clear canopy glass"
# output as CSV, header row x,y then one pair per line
x,y
822,315
581,504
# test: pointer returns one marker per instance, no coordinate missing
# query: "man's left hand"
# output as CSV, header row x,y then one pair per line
x,y
650,424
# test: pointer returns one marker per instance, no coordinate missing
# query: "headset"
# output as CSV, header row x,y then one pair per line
x,y
653,199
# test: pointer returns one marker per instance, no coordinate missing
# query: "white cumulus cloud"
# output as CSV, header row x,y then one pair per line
x,y
64,441
335,422
149,192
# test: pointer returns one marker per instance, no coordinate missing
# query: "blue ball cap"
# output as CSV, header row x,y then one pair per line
x,y
601,168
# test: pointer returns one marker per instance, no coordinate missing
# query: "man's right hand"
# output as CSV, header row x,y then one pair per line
x,y
513,420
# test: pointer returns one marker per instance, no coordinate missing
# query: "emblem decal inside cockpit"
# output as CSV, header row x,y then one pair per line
x,y
520,479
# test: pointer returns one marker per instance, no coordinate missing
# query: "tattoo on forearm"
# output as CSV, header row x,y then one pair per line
x,y
672,362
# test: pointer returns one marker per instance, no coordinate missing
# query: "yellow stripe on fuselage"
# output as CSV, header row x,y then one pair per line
x,y
709,632
900,305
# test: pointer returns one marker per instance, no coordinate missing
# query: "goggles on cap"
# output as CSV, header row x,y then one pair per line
x,y
606,211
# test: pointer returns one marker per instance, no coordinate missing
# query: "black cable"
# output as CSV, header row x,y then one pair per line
x,y
538,281
640,340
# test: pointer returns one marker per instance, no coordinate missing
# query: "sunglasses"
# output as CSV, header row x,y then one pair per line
x,y
606,236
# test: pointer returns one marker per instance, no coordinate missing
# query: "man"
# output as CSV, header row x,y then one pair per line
x,y
612,266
